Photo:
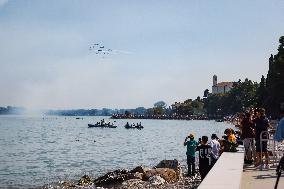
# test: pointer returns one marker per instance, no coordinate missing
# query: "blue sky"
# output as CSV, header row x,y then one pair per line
x,y
165,50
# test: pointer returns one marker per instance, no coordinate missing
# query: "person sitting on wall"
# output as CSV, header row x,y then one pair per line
x,y
230,141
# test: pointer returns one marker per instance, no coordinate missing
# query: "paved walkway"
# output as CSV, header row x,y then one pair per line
x,y
265,179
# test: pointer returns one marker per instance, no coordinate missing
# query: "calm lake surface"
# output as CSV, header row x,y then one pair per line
x,y
36,150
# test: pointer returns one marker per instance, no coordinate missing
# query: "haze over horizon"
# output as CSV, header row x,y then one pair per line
x,y
163,50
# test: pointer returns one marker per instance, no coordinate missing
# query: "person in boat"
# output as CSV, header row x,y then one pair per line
x,y
108,124
140,124
127,124
136,126
102,122
191,144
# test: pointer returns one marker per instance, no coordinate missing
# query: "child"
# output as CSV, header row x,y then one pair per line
x,y
191,145
205,151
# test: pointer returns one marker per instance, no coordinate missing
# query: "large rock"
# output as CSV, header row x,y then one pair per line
x,y
133,183
168,175
85,180
117,177
156,180
171,164
139,169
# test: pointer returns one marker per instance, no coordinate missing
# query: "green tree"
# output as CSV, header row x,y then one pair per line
x,y
275,81
206,93
261,92
159,108
127,113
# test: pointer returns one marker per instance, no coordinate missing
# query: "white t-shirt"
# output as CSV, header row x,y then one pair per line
x,y
215,148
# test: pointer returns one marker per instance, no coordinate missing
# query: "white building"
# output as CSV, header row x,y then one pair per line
x,y
222,87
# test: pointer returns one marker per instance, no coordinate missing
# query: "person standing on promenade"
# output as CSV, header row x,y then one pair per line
x,y
191,145
279,134
205,152
261,124
215,145
248,135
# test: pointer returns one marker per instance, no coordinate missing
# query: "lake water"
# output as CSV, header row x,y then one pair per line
x,y
36,150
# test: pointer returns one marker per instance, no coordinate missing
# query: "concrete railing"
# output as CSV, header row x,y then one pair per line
x,y
226,173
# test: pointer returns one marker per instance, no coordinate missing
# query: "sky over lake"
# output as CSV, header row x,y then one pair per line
x,y
161,50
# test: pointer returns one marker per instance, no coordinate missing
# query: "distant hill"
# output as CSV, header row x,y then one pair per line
x,y
10,110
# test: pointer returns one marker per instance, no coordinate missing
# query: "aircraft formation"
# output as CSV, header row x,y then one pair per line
x,y
100,49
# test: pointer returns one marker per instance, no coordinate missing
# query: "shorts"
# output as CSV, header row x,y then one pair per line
x,y
264,146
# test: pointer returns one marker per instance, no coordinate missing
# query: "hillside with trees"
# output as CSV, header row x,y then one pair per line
x,y
269,93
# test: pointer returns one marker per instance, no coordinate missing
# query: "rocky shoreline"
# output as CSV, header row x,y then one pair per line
x,y
168,174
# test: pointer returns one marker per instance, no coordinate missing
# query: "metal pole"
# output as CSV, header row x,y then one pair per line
x,y
279,169
278,177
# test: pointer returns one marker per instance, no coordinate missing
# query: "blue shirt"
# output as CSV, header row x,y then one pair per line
x,y
279,134
191,145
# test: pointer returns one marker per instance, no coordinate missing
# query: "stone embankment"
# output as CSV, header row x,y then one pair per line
x,y
166,175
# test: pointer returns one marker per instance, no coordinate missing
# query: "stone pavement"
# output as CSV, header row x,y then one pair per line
x,y
265,179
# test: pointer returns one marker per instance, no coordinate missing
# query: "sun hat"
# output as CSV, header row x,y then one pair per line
x,y
190,135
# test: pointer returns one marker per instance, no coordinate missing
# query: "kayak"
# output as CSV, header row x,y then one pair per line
x,y
102,126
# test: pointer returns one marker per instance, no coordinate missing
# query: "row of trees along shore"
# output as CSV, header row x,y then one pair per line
x,y
269,93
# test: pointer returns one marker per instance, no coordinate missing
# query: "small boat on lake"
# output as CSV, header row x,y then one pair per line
x,y
102,126
134,127
138,126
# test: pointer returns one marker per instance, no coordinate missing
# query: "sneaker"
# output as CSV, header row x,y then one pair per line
x,y
266,166
248,162
259,167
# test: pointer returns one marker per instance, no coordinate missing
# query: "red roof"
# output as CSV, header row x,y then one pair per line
x,y
223,84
